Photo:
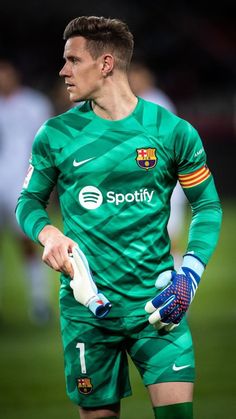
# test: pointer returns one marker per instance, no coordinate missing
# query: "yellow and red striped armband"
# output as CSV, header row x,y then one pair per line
x,y
195,178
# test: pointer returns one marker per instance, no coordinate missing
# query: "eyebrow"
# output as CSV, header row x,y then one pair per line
x,y
71,57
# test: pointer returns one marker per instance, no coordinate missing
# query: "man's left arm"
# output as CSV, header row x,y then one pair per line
x,y
206,219
176,290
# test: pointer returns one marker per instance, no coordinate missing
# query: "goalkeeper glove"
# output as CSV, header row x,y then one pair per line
x,y
84,288
177,292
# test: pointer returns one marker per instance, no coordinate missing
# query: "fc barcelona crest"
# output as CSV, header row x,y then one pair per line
x,y
146,158
84,385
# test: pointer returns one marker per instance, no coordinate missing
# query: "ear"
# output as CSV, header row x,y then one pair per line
x,y
107,64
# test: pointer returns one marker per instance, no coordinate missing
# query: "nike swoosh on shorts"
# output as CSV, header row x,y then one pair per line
x,y
175,368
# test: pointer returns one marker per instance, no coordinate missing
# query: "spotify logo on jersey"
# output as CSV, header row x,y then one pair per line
x,y
90,197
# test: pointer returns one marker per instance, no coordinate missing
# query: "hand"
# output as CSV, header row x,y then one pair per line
x,y
84,288
57,247
178,290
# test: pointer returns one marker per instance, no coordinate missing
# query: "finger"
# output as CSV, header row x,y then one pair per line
x,y
155,303
171,326
154,317
160,325
174,314
163,279
167,308
52,263
71,247
160,302
149,307
68,268
64,261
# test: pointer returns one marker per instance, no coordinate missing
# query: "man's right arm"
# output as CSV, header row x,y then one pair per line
x,y
39,182
31,211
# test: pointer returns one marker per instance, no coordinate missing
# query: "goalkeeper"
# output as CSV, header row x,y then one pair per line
x,y
115,160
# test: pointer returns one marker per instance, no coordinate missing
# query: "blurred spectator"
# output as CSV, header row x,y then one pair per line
x,y
143,83
22,111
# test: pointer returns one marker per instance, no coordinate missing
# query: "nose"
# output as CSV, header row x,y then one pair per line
x,y
64,71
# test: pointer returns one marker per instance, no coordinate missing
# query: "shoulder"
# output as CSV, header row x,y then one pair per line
x,y
167,120
156,107
164,117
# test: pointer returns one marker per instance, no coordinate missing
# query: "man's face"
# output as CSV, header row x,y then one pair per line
x,y
82,74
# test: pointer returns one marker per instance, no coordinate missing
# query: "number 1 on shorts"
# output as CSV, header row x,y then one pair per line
x,y
81,347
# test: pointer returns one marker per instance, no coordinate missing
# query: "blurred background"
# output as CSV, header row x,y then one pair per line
x,y
185,60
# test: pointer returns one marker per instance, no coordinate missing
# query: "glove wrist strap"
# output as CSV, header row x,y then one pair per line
x,y
194,264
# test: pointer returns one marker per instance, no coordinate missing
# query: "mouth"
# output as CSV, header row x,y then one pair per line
x,y
69,85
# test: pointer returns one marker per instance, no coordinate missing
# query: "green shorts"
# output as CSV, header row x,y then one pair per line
x,y
96,363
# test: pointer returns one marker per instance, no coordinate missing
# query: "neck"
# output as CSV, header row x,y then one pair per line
x,y
117,101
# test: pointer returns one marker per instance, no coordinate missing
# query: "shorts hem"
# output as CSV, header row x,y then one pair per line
x,y
172,380
108,402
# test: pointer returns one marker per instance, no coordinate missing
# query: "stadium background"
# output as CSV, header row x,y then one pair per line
x,y
192,49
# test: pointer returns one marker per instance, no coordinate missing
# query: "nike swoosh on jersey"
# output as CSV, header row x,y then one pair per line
x,y
79,163
175,368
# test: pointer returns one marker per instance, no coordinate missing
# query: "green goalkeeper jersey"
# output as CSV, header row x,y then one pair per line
x,y
114,181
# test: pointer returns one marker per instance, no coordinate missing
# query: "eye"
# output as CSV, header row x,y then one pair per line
x,y
74,60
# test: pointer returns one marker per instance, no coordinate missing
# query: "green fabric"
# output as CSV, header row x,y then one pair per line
x,y
206,220
114,182
96,363
174,411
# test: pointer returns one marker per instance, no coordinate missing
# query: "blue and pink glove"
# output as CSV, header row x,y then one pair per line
x,y
176,294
